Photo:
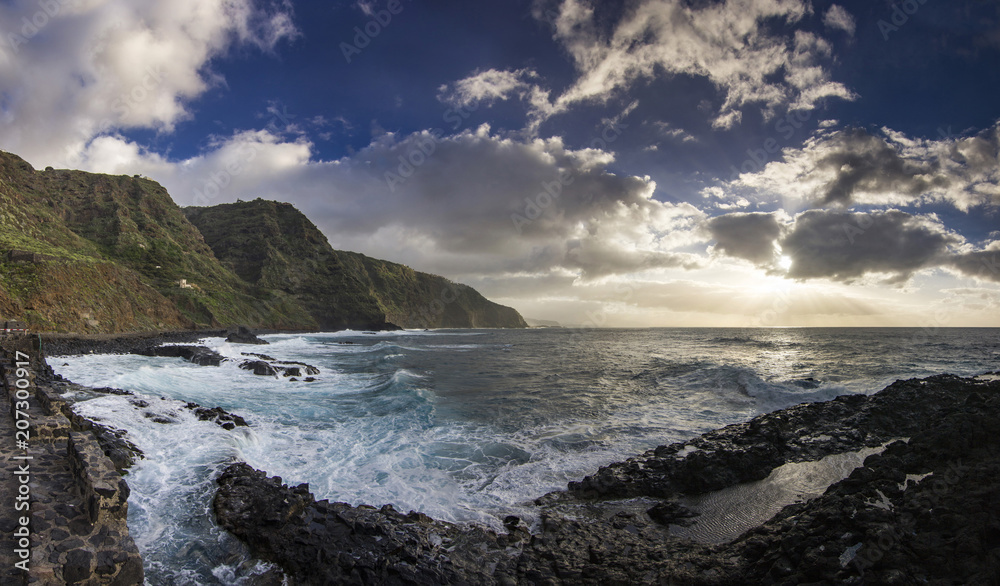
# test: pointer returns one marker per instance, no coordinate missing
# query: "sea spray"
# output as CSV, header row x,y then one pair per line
x,y
461,425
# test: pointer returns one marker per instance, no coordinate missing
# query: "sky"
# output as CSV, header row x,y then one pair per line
x,y
598,163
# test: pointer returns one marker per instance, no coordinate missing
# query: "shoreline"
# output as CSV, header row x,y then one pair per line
x,y
70,344
72,501
925,510
567,550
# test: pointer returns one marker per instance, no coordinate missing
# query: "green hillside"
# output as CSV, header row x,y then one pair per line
x,y
90,253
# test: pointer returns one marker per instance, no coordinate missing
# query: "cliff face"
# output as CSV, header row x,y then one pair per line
x,y
273,245
109,254
89,253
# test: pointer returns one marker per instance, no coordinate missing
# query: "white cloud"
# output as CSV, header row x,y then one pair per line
x,y
675,133
723,42
837,17
103,65
487,87
490,86
854,166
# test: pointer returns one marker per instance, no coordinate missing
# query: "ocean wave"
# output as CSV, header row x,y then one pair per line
x,y
744,386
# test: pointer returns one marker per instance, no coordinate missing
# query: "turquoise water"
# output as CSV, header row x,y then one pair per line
x,y
465,425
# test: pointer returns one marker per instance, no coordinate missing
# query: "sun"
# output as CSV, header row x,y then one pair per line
x,y
785,262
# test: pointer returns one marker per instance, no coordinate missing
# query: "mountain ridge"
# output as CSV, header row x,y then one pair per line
x,y
93,253
273,244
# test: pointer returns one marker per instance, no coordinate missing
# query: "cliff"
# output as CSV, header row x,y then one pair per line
x,y
91,253
95,253
273,245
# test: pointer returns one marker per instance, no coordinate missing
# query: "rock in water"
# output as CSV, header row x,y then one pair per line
x,y
242,335
925,511
259,367
199,355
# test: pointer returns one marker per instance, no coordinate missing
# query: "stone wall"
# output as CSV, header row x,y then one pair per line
x,y
79,502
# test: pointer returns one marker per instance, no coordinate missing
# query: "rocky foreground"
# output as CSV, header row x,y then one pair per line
x,y
924,511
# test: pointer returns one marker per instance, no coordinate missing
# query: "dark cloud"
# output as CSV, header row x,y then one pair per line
x,y
473,203
747,236
983,264
845,246
860,162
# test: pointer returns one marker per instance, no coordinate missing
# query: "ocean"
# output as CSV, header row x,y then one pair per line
x,y
463,425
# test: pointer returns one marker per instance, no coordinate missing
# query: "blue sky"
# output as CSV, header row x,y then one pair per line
x,y
641,162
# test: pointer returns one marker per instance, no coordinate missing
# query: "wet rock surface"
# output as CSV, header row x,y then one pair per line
x,y
750,451
116,446
242,335
259,367
268,366
217,415
199,355
924,511
74,345
335,543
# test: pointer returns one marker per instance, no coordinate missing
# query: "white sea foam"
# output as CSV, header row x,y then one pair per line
x,y
443,423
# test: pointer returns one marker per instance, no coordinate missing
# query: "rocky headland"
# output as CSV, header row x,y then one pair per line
x,y
926,510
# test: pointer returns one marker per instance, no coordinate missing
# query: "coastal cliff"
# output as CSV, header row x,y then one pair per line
x,y
274,246
91,253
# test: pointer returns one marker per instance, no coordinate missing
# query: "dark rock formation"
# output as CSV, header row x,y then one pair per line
x,y
199,355
335,543
218,415
75,345
242,335
122,453
259,367
308,369
926,511
749,451
268,366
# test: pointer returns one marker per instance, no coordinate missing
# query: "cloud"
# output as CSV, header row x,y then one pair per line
x,y
842,246
472,203
854,166
846,246
730,43
487,87
492,85
98,67
983,264
751,237
680,134
837,17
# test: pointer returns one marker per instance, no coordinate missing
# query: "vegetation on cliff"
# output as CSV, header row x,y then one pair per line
x,y
273,245
84,252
